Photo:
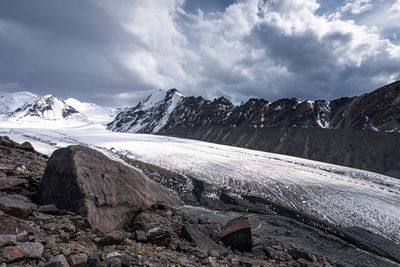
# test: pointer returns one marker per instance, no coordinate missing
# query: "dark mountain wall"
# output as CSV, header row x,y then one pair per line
x,y
362,149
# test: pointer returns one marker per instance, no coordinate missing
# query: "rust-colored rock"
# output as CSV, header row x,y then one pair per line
x,y
12,253
237,234
107,193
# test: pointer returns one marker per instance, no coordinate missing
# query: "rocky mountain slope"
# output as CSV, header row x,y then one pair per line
x,y
35,232
378,111
346,131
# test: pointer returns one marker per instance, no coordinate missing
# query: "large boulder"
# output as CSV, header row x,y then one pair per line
x,y
107,193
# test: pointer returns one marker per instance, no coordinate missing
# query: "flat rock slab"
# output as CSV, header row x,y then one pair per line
x,y
33,250
107,193
198,238
12,182
16,206
11,225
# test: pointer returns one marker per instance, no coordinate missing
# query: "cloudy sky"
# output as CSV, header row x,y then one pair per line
x,y
116,52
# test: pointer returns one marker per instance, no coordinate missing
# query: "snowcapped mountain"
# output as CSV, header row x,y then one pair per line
x,y
49,108
24,108
150,115
378,111
11,101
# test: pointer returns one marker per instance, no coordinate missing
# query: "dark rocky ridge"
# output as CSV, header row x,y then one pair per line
x,y
359,132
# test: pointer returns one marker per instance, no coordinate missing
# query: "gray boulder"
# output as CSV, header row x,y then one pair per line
x,y
107,193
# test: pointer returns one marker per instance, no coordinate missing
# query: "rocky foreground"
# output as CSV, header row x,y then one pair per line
x,y
80,208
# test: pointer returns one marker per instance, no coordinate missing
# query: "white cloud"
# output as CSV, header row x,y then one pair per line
x,y
357,6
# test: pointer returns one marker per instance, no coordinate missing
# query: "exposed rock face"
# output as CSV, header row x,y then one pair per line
x,y
237,234
379,111
106,192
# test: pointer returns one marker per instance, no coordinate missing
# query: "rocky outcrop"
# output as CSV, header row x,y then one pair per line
x,y
105,192
237,234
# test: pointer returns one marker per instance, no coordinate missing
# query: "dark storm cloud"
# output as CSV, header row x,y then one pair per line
x,y
116,52
63,47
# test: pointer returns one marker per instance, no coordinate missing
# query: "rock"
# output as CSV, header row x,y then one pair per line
x,y
93,260
14,226
195,236
237,234
12,182
78,260
140,236
113,238
57,261
87,243
214,253
159,236
7,142
26,146
15,207
49,209
107,193
42,218
6,240
9,254
31,249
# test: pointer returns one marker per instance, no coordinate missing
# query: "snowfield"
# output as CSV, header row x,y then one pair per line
x,y
340,195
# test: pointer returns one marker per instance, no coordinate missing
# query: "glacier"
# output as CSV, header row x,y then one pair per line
x,y
339,195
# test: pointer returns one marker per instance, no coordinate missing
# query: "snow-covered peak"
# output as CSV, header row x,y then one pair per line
x,y
158,98
48,108
92,111
11,101
150,115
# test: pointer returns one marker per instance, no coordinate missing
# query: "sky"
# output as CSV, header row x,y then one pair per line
x,y
116,52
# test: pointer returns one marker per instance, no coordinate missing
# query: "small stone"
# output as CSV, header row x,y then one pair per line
x,y
42,218
57,261
31,249
115,237
48,209
78,260
6,240
93,260
12,253
214,253
63,238
140,236
49,226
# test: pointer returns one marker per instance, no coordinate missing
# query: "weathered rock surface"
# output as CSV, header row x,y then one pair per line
x,y
106,192
11,225
58,261
237,234
16,206
195,236
26,146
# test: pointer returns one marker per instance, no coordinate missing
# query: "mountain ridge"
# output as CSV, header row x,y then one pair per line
x,y
377,111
